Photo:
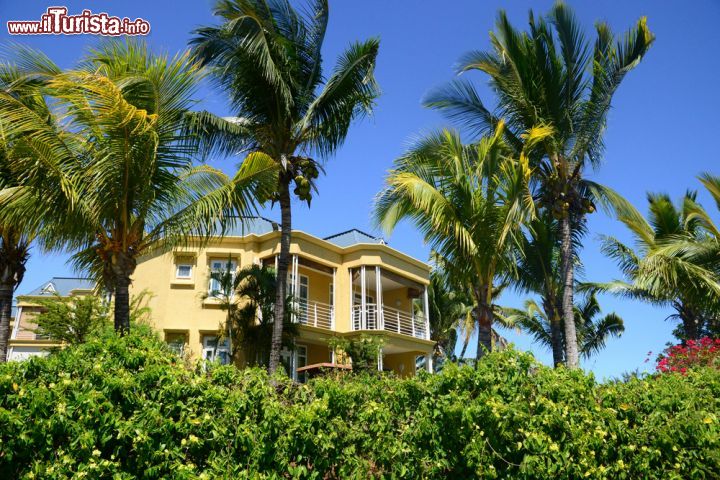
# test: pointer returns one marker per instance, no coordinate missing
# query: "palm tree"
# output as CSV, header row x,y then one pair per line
x,y
449,308
470,202
253,323
118,180
552,76
539,272
15,237
248,297
267,57
592,332
674,262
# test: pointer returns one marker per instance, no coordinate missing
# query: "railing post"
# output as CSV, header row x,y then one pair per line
x,y
315,312
412,321
397,313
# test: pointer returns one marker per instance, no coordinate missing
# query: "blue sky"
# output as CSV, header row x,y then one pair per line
x,y
659,134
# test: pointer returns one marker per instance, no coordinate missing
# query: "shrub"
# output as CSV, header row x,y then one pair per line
x,y
126,408
704,352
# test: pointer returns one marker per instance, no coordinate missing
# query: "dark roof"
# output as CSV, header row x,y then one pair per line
x,y
63,286
352,237
251,225
261,225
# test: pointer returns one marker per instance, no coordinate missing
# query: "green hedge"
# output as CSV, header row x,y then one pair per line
x,y
126,408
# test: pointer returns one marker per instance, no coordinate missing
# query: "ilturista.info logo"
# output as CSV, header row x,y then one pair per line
x,y
56,21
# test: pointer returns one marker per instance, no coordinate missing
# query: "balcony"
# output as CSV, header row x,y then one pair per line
x,y
375,289
314,314
390,320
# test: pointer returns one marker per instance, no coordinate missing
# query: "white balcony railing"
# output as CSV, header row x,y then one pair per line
x,y
315,314
392,320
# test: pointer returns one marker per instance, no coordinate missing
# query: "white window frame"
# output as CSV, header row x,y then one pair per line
x,y
294,357
211,353
183,277
298,300
233,266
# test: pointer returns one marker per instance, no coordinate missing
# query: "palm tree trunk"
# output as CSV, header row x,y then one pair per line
x,y
568,314
485,322
556,336
466,342
6,295
122,304
122,267
690,323
281,288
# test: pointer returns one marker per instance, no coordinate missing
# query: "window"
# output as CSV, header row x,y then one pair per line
x,y
214,351
218,267
176,342
301,297
184,270
292,360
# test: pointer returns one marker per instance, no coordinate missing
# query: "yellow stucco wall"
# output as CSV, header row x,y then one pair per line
x,y
403,364
179,305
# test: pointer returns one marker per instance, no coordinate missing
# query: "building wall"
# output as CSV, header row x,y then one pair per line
x,y
182,305
403,364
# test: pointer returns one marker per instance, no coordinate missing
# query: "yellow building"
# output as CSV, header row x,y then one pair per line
x,y
345,285
24,342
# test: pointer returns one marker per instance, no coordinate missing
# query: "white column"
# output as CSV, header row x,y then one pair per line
x,y
276,265
294,289
352,300
426,308
334,300
429,362
363,300
379,320
16,325
380,360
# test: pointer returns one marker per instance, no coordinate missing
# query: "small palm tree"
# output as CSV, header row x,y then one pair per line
x,y
449,308
552,76
248,298
118,181
470,202
592,333
267,57
674,262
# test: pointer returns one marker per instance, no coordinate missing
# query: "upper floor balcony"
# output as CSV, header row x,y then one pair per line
x,y
363,298
383,300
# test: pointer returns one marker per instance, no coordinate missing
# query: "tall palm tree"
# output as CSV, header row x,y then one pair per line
x,y
592,332
551,76
15,237
470,202
266,56
674,262
117,180
539,272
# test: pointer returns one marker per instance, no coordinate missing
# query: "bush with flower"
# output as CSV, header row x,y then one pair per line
x,y
704,352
